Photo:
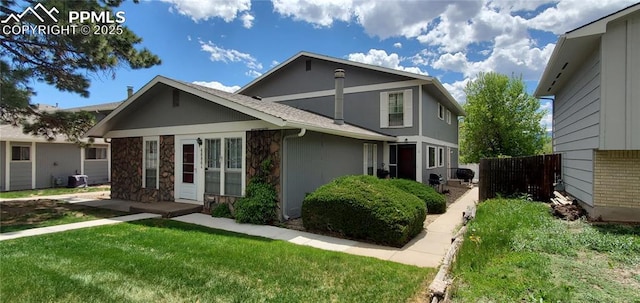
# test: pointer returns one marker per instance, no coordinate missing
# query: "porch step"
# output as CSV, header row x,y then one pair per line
x,y
166,209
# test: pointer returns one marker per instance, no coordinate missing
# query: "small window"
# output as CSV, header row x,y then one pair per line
x,y
396,113
440,111
20,153
370,158
150,164
440,156
95,153
448,116
431,157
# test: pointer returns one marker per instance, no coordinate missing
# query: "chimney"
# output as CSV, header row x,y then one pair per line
x,y
129,91
339,103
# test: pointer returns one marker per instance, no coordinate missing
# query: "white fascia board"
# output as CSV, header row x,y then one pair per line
x,y
192,129
347,90
342,133
423,139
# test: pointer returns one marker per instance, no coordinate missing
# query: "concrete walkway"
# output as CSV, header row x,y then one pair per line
x,y
71,198
72,226
426,250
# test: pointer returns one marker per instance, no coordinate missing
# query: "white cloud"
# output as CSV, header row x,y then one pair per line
x,y
397,45
218,54
456,89
217,85
247,20
570,14
381,58
188,37
253,73
205,10
274,63
319,13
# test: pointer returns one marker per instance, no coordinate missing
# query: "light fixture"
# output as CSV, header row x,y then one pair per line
x,y
199,141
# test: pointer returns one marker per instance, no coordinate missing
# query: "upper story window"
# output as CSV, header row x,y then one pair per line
x,y
448,116
440,111
396,109
20,153
95,153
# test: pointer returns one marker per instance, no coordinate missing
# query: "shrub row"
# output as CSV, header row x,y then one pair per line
x,y
436,203
367,208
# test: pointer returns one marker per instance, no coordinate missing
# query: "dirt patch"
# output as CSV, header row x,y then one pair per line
x,y
451,195
569,212
35,212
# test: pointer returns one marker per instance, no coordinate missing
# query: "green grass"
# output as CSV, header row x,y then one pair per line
x,y
167,261
515,251
50,192
21,215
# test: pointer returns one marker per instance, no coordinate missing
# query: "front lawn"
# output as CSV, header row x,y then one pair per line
x,y
167,261
515,251
51,191
21,215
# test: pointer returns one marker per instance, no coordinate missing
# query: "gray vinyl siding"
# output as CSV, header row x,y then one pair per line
x,y
97,171
316,159
432,126
156,110
20,174
620,115
360,109
295,79
56,160
576,129
3,163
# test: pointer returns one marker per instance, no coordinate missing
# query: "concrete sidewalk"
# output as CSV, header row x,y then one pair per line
x,y
426,250
71,198
72,226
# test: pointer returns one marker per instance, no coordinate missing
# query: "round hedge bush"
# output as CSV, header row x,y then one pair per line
x,y
258,206
364,208
436,203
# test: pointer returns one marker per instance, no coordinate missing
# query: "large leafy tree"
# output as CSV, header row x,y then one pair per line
x,y
502,119
65,60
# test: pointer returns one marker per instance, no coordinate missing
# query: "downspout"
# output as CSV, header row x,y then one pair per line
x,y
283,173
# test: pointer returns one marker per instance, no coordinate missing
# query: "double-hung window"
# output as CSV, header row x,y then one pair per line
x,y
396,109
431,157
20,153
440,156
448,116
95,153
370,158
150,162
440,111
233,167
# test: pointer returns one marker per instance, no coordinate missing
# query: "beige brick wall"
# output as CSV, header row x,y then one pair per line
x,y
617,178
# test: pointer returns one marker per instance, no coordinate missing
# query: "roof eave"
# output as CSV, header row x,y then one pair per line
x,y
342,133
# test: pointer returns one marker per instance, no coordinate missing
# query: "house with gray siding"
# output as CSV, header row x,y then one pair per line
x,y
314,117
30,162
593,78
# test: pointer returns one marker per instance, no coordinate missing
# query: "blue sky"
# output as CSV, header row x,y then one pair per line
x,y
226,44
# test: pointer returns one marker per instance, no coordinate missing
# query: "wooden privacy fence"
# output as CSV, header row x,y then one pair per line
x,y
533,175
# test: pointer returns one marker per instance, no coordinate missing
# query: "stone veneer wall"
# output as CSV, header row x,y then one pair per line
x,y
126,170
616,189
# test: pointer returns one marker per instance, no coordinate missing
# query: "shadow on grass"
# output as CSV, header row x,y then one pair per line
x,y
188,227
618,229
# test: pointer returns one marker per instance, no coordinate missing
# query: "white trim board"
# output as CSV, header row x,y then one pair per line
x,y
348,90
423,139
192,129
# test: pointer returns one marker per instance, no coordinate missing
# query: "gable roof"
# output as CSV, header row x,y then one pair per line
x,y
430,80
572,48
281,115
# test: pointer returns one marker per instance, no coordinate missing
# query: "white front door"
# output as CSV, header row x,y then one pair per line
x,y
188,177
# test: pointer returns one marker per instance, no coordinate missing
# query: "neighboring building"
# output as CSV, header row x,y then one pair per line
x,y
29,162
176,141
594,74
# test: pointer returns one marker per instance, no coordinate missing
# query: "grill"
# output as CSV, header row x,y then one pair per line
x,y
436,182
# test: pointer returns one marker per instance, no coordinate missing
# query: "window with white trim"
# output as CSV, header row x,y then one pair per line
x,y
431,157
95,153
20,153
448,116
440,111
440,156
370,159
150,160
396,109
233,167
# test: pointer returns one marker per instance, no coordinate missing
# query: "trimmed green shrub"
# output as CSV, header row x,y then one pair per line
x,y
259,205
436,202
221,211
365,208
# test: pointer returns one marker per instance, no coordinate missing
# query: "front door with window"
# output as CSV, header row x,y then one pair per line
x,y
188,178
402,161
